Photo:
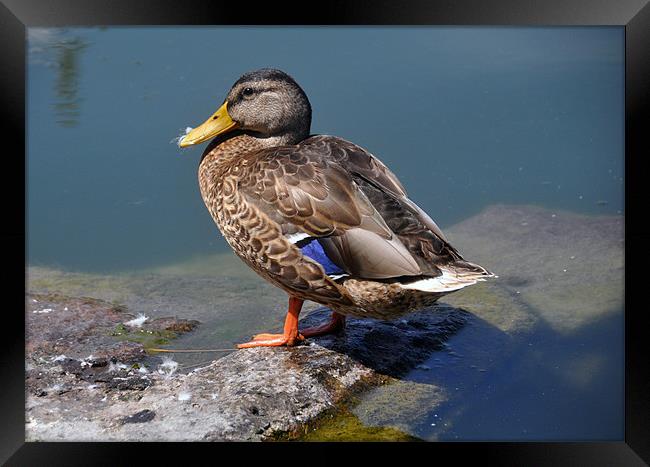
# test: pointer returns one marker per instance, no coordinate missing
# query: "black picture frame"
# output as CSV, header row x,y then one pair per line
x,y
633,15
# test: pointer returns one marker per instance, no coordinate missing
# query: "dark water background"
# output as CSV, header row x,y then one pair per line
x,y
537,393
466,117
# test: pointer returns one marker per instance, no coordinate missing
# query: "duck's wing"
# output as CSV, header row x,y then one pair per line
x,y
416,230
363,165
308,193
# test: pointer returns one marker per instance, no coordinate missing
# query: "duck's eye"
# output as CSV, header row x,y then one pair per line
x,y
248,92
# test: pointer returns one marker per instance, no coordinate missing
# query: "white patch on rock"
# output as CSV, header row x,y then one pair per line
x,y
44,310
168,367
137,322
113,367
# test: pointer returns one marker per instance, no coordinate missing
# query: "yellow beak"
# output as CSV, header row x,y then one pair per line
x,y
219,122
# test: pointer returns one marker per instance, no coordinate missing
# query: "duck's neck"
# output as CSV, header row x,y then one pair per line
x,y
280,140
223,151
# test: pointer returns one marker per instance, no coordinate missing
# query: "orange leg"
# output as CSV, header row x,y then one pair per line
x,y
290,335
337,321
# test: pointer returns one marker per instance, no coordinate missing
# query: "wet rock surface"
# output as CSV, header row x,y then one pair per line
x,y
90,376
559,267
77,353
253,394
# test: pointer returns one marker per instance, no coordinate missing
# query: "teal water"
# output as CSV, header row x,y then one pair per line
x,y
466,117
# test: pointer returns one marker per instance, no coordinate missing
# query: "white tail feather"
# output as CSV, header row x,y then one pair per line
x,y
447,282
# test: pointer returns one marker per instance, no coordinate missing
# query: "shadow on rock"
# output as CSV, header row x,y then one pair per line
x,y
392,348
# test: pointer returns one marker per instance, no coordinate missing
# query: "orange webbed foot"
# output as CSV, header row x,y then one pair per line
x,y
289,337
271,340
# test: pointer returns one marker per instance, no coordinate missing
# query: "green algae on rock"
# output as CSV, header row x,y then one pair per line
x,y
566,268
398,404
495,304
345,426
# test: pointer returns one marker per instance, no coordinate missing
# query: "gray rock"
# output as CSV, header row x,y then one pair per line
x,y
253,394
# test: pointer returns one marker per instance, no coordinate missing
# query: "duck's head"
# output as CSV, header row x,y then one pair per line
x,y
266,103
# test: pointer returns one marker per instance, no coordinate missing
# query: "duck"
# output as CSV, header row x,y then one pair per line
x,y
316,215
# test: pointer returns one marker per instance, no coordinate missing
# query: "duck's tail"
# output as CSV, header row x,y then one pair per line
x,y
454,276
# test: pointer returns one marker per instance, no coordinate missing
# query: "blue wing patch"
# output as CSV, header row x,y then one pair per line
x,y
314,250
